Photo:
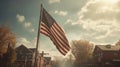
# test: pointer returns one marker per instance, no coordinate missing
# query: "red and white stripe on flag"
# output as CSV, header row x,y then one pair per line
x,y
50,28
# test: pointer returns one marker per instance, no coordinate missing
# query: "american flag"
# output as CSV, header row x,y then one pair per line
x,y
50,28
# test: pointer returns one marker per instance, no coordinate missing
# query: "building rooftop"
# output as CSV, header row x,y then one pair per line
x,y
32,49
108,47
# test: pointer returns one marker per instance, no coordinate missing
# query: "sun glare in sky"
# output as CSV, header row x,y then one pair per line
x,y
110,1
107,5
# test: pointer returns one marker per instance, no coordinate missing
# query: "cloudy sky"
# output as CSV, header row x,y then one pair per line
x,y
94,20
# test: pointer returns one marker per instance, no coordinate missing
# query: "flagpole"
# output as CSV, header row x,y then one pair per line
x,y
38,35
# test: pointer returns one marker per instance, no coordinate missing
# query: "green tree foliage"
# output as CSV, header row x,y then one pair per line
x,y
82,50
7,44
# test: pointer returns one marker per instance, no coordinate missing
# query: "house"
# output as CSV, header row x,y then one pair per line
x,y
25,56
106,56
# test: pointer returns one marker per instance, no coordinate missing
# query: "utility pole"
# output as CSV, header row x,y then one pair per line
x,y
43,53
42,58
38,35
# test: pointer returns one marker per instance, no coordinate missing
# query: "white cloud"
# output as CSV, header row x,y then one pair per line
x,y
100,18
70,21
20,18
73,36
27,24
54,1
61,13
92,20
32,30
24,41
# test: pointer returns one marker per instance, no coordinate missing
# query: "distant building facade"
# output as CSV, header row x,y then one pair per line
x,y
25,57
106,56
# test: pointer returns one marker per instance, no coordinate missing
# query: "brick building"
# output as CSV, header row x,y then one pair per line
x,y
106,56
